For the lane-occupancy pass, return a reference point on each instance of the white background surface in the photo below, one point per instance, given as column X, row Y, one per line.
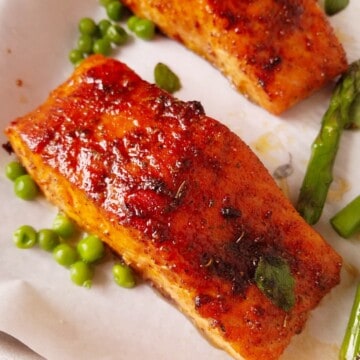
column 38, row 303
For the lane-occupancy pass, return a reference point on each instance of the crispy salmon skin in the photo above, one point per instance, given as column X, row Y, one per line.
column 276, row 52
column 183, row 200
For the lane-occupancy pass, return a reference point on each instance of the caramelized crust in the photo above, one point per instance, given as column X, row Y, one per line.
column 276, row 52
column 180, row 197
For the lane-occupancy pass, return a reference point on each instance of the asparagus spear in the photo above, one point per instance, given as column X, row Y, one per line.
column 354, row 113
column 347, row 221
column 318, row 175
column 350, row 347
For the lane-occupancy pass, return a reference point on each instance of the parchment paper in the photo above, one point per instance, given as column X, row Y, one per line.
column 40, row 306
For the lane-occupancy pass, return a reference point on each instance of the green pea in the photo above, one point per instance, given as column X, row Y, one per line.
column 78, row 63
column 87, row 26
column 85, row 43
column 114, row 10
column 90, row 248
column 116, row 34
column 144, row 29
column 123, row 275
column 25, row 237
column 102, row 46
column 103, row 25
column 131, row 22
column 81, row 274
column 14, row 169
column 64, row 254
column 64, row 226
column 106, row 2
column 25, row 187
column 47, row 239
column 166, row 79
column 75, row 56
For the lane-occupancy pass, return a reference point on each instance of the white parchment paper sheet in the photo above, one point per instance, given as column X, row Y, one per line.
column 38, row 303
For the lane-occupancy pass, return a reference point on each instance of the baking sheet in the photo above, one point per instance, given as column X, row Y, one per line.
column 39, row 305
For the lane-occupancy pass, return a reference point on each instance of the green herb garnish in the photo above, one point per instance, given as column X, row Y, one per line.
column 273, row 278
column 166, row 79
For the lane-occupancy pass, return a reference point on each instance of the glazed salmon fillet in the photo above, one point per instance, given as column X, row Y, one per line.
column 181, row 198
column 276, row 52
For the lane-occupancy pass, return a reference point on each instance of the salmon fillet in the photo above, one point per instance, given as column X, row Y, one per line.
column 276, row 52
column 181, row 198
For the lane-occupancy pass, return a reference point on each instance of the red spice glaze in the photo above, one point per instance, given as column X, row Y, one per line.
column 149, row 176
column 268, row 23
column 190, row 186
column 276, row 52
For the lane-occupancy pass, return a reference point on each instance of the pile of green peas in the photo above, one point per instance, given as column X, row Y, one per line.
column 79, row 258
column 142, row 28
column 101, row 37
